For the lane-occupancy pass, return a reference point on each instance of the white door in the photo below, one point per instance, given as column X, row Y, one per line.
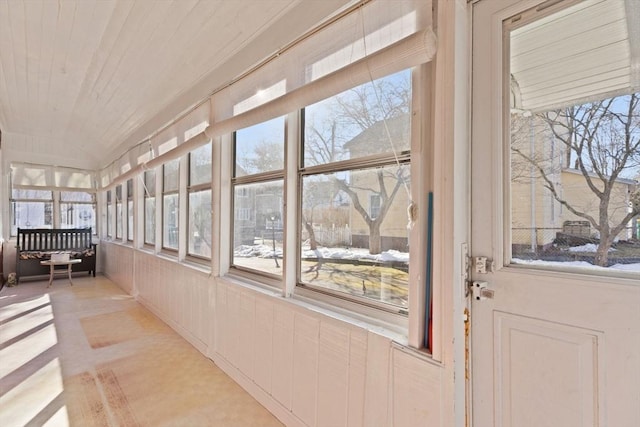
column 559, row 343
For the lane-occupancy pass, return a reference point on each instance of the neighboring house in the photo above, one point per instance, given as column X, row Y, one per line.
column 536, row 216
column 253, row 209
column 374, row 140
column 576, row 192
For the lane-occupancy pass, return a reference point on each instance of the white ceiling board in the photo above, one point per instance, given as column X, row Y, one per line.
column 291, row 25
column 90, row 78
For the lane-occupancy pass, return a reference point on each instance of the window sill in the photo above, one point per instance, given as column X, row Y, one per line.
column 200, row 267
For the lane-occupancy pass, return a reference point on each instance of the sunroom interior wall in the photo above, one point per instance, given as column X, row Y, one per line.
column 307, row 367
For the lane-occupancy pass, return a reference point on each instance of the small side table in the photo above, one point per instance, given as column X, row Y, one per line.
column 52, row 268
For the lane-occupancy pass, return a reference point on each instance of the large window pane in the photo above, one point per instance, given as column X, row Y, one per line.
column 200, row 165
column 200, row 223
column 260, row 148
column 130, row 210
column 31, row 215
column 257, row 226
column 130, row 220
column 20, row 194
column 77, row 215
column 371, row 119
column 354, row 233
column 77, row 210
column 170, row 205
column 150, row 220
column 31, row 209
column 150, row 207
column 170, row 222
column 119, row 212
column 109, row 214
column 575, row 150
column 76, row 196
column 170, row 176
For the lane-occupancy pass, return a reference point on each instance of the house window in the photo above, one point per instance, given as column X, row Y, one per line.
column 356, row 151
column 150, row 207
column 130, row 210
column 77, row 210
column 31, row 209
column 170, row 207
column 199, row 190
column 243, row 214
column 119, row 212
column 257, row 186
column 374, row 205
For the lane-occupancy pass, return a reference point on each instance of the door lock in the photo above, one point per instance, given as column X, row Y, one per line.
column 480, row 291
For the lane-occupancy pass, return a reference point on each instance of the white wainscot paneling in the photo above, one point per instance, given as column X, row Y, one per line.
column 117, row 264
column 305, row 367
column 311, row 369
column 263, row 360
column 178, row 294
column 417, row 395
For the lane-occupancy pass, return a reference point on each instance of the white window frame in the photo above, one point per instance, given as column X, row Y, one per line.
column 248, row 179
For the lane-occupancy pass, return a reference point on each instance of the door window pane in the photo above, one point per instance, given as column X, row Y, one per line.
column 575, row 142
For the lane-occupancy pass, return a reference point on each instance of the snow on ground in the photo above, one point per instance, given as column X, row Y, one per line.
column 266, row 251
column 581, row 264
column 589, row 247
column 360, row 254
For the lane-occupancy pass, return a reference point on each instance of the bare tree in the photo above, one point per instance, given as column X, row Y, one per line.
column 375, row 115
column 601, row 140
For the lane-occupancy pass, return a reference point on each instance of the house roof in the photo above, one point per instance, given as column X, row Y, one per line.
column 375, row 139
column 626, row 181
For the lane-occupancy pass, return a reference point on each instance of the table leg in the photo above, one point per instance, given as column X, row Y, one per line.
column 69, row 272
column 51, row 268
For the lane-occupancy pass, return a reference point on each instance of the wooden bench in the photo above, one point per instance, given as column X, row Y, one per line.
column 38, row 244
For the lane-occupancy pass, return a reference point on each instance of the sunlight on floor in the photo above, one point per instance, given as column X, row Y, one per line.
column 89, row 354
column 30, row 374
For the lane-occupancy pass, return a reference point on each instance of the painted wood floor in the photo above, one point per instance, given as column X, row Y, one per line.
column 90, row 355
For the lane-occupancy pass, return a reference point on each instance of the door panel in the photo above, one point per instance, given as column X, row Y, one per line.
column 558, row 344
column 548, row 368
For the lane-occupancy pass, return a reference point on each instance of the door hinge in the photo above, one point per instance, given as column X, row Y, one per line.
column 482, row 265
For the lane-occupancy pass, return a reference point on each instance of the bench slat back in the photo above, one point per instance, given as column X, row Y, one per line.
column 45, row 239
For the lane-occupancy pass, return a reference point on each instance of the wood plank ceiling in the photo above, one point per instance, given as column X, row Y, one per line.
column 81, row 80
